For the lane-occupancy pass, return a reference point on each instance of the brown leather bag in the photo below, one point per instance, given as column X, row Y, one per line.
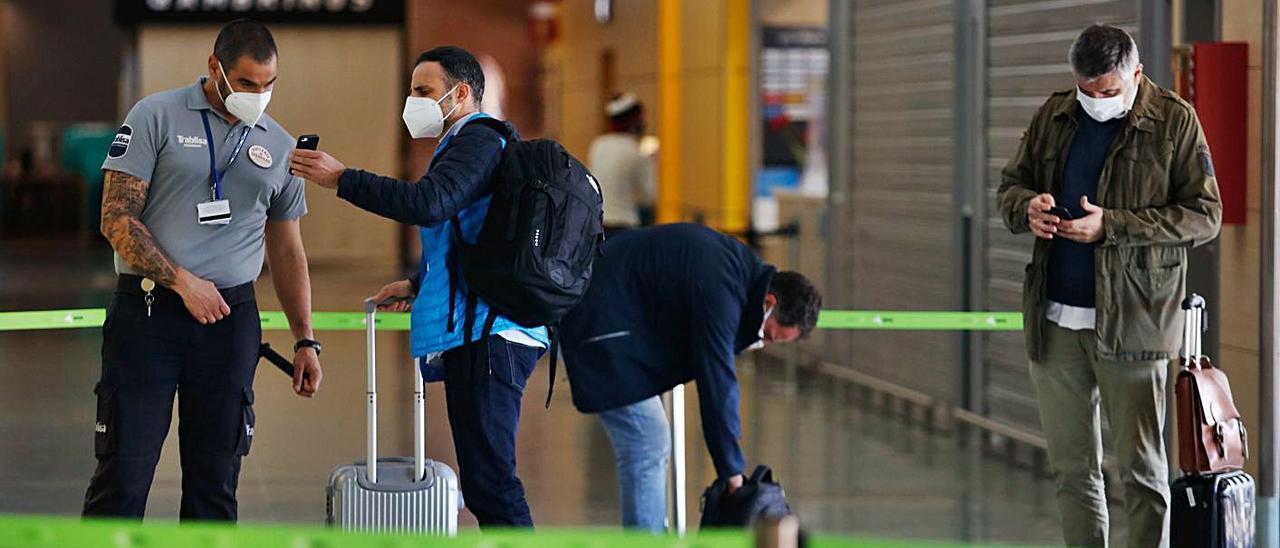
column 1211, row 435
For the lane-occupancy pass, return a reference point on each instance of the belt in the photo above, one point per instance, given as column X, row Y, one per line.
column 130, row 284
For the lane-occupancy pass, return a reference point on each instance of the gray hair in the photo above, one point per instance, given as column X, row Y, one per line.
column 1101, row 50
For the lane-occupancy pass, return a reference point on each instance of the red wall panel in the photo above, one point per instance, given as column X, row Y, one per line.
column 1217, row 85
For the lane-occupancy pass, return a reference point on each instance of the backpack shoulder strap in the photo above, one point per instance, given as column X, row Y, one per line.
column 497, row 125
column 453, row 263
column 553, row 338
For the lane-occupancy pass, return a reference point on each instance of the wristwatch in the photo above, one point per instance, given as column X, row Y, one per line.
column 307, row 343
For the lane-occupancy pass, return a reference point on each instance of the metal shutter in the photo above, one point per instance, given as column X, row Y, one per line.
column 893, row 250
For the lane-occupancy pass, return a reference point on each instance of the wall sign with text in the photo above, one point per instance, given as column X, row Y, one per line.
column 384, row 12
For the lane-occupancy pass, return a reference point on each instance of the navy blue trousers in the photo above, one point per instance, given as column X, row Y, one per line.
column 483, row 386
column 146, row 360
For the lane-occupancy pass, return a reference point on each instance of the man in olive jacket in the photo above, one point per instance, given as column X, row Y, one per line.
column 1115, row 180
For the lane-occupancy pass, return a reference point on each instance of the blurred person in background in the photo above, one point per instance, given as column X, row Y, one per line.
column 627, row 176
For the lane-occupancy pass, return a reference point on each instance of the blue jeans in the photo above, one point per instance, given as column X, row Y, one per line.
column 641, row 442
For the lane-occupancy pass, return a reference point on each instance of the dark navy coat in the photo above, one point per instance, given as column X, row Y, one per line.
column 668, row 305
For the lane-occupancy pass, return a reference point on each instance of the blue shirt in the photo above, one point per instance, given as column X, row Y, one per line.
column 1071, row 278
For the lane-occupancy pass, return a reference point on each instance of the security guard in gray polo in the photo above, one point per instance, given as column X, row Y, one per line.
column 197, row 191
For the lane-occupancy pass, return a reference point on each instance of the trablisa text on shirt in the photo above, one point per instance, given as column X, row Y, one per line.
column 193, row 142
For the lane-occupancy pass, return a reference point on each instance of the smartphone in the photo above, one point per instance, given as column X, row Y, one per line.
column 1061, row 213
column 308, row 142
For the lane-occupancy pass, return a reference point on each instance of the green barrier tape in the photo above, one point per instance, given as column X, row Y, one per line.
column 42, row 532
column 82, row 318
column 334, row 321
column 52, row 319
column 919, row 321
column 49, row 532
column 399, row 321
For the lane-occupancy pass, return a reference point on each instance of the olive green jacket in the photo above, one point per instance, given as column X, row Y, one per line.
column 1159, row 198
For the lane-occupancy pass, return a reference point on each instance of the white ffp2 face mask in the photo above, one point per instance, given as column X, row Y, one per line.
column 248, row 107
column 423, row 117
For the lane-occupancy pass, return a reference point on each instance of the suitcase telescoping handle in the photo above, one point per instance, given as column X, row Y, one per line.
column 678, row 480
column 419, row 401
column 1193, row 330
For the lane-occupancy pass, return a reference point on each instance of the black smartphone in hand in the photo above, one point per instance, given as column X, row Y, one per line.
column 308, row 142
column 1061, row 212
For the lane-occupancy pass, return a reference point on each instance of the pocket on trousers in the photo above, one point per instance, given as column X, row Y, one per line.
column 509, row 364
column 104, row 427
column 246, row 424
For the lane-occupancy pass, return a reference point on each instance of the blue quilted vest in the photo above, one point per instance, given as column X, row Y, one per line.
column 429, row 324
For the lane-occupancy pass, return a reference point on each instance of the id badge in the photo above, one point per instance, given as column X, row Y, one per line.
column 216, row 212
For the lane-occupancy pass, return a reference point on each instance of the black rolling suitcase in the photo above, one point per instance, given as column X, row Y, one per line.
column 1212, row 511
column 1209, row 509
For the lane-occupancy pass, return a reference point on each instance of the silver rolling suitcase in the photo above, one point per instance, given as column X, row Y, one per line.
column 399, row 494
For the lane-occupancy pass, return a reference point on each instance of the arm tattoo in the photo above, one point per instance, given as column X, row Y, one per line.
column 123, row 198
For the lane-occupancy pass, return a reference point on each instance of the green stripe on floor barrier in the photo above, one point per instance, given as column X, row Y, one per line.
column 920, row 321
column 52, row 319
column 337, row 321
column 44, row 532
column 49, row 532
column 399, row 321
column 82, row 318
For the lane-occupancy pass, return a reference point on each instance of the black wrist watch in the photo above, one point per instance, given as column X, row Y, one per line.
column 307, row 343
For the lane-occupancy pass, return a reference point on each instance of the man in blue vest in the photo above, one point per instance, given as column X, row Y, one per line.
column 483, row 384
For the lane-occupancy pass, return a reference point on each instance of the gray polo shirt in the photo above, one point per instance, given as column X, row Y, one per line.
column 163, row 141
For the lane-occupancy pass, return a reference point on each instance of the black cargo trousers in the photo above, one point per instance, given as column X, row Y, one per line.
column 147, row 357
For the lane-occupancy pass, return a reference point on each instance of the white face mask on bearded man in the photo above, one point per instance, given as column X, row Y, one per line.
column 1103, row 109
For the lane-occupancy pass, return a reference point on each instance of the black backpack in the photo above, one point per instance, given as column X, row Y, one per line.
column 758, row 498
column 545, row 227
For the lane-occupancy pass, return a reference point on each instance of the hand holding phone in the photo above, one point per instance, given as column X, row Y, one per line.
column 307, row 142
column 1061, row 212
column 1038, row 216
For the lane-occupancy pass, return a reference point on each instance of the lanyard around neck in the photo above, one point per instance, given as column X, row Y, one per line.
column 235, row 153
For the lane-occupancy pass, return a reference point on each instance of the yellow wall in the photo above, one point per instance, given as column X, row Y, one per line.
column 711, row 180
column 575, row 60
column 346, row 85
column 1240, row 245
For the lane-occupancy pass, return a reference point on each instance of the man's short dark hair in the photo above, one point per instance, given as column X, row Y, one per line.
column 1101, row 50
column 244, row 37
column 459, row 66
column 798, row 301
